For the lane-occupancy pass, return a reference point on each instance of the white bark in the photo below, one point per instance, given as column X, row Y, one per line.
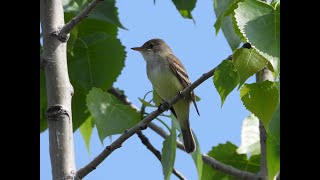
column 59, row 91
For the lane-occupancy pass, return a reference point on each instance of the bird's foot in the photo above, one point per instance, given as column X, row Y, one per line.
column 164, row 106
column 181, row 95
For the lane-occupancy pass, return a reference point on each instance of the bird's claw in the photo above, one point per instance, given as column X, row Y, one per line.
column 165, row 105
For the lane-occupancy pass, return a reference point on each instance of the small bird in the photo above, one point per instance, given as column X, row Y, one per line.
column 168, row 77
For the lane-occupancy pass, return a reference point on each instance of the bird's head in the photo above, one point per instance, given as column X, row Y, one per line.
column 153, row 47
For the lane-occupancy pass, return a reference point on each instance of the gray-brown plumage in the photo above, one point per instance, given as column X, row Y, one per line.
column 168, row 77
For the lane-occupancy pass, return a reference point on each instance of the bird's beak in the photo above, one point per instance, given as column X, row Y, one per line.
column 137, row 48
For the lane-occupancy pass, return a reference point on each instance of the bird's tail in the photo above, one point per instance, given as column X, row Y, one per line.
column 188, row 140
column 181, row 110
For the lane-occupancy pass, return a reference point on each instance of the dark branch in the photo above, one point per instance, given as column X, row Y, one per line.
column 63, row 35
column 157, row 153
column 118, row 142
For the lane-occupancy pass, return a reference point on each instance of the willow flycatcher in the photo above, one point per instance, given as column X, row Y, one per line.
column 168, row 78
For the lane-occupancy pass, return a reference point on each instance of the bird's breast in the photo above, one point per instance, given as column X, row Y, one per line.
column 163, row 80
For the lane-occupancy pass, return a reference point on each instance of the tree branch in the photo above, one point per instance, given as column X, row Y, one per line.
column 141, row 125
column 64, row 33
column 157, row 153
column 59, row 91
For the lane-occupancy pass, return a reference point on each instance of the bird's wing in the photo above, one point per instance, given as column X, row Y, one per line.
column 180, row 72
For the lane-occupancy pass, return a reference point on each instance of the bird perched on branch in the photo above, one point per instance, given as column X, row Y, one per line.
column 168, row 77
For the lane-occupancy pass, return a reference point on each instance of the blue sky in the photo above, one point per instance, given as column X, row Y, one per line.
column 200, row 50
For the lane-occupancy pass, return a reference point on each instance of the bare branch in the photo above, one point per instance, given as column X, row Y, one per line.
column 127, row 134
column 59, row 91
column 64, row 33
column 157, row 153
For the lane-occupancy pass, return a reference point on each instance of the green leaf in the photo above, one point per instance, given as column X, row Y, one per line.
column 261, row 99
column 95, row 55
column 82, row 3
column 107, row 11
column 250, row 136
column 146, row 103
column 197, row 98
column 95, row 59
column 230, row 34
column 237, row 30
column 225, row 79
column 185, row 7
column 197, row 157
column 220, row 7
column 273, row 145
column 43, row 102
column 175, row 122
column 277, row 83
column 72, row 40
column 156, row 98
column 247, row 62
column 169, row 153
column 70, row 6
column 224, row 21
column 226, row 153
column 259, row 23
column 275, row 3
column 231, row 8
column 80, row 111
column 110, row 115
column 86, row 131
column 273, row 65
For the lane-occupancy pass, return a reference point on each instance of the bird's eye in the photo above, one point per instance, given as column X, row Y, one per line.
column 151, row 45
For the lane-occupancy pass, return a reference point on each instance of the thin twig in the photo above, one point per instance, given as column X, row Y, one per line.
column 157, row 153
column 127, row 134
column 66, row 29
